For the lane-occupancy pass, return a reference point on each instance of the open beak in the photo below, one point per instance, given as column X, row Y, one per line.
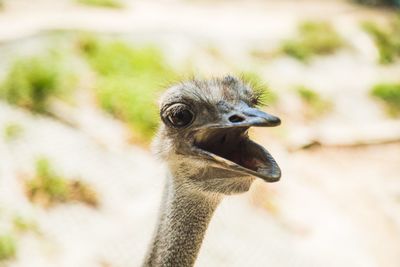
column 227, row 144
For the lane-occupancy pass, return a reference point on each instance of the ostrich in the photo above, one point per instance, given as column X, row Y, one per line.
column 208, row 154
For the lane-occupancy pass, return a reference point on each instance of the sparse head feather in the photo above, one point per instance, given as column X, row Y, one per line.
column 259, row 89
column 213, row 91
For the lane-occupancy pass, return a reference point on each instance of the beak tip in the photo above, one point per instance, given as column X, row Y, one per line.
column 272, row 179
column 275, row 121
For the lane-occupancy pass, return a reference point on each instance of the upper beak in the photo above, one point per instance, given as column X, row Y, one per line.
column 256, row 117
column 245, row 117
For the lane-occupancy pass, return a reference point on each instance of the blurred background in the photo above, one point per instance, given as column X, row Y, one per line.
column 79, row 82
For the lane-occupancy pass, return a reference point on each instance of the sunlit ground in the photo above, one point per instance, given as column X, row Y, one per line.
column 78, row 87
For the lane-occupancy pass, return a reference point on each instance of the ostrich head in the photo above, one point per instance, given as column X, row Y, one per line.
column 204, row 137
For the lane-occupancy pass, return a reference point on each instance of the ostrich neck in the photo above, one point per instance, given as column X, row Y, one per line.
column 184, row 217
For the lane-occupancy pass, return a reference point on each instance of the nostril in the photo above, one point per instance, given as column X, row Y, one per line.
column 236, row 118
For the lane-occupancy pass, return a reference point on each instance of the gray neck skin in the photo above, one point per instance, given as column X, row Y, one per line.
column 184, row 216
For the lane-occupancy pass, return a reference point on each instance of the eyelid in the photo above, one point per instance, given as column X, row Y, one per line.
column 175, row 109
column 165, row 108
column 166, row 111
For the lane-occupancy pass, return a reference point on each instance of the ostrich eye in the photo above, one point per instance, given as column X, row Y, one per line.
column 179, row 115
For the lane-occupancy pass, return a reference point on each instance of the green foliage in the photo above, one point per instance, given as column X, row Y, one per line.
column 129, row 80
column 387, row 40
column 130, row 99
column 47, row 183
column 48, row 188
column 379, row 2
column 269, row 97
column 8, row 247
column 314, row 38
column 32, row 81
column 12, row 131
column 316, row 105
column 389, row 94
column 119, row 58
column 102, row 3
column 22, row 224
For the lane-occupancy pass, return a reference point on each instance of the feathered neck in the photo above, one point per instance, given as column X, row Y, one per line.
column 184, row 216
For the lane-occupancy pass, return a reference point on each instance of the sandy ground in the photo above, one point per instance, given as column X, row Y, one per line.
column 334, row 206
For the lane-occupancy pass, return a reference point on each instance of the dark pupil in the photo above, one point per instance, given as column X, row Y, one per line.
column 181, row 118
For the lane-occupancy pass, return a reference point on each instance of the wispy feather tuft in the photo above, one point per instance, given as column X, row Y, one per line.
column 259, row 93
